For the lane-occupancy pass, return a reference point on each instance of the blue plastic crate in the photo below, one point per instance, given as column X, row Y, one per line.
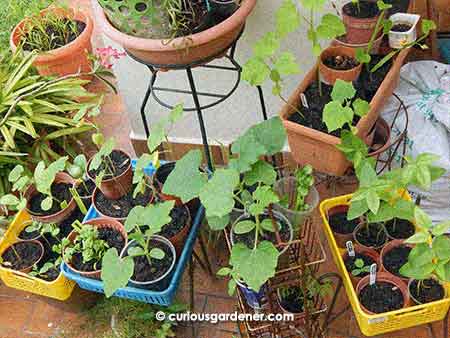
column 164, row 297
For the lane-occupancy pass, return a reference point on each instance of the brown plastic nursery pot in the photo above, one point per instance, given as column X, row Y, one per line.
column 65, row 60
column 98, row 223
column 159, row 179
column 309, row 146
column 60, row 215
column 196, row 48
column 341, row 239
column 330, row 75
column 388, row 247
column 116, row 187
column 29, row 268
column 342, row 41
column 388, row 278
column 179, row 239
column 377, row 248
column 359, row 30
column 363, row 251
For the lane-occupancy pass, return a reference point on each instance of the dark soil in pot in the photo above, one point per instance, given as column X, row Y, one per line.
column 120, row 162
column 121, row 207
column 366, row 9
column 428, row 292
column 25, row 235
column 381, row 297
column 163, row 172
column 341, row 62
column 339, row 223
column 112, row 237
column 144, row 272
column 65, row 227
column 60, row 192
column 249, row 238
column 350, row 263
column 86, row 189
column 370, row 82
column 28, row 254
column 57, row 40
column 395, row 258
column 372, row 235
column 50, row 275
column 401, row 27
column 179, row 217
column 399, row 228
column 292, row 299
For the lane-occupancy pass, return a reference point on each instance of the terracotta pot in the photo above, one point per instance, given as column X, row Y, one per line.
column 159, row 178
column 416, row 301
column 98, row 223
column 116, row 187
column 342, row 41
column 388, row 247
column 358, row 30
column 58, row 216
column 309, row 146
column 388, row 278
column 28, row 269
column 366, row 252
column 65, row 60
column 378, row 248
column 330, row 75
column 196, row 48
column 382, row 137
column 340, row 239
column 179, row 238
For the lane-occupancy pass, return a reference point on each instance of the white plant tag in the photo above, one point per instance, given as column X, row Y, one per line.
column 350, row 249
column 304, row 100
column 373, row 274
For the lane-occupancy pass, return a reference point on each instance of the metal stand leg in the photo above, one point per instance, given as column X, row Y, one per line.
column 200, row 118
column 145, row 101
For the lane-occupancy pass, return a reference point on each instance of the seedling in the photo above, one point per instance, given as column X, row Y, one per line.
column 305, row 180
column 20, row 180
column 343, row 107
column 360, row 267
column 102, row 161
column 356, row 3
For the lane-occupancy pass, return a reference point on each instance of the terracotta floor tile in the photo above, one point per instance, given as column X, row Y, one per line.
column 15, row 313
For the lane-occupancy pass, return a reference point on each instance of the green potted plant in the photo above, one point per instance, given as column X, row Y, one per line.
column 172, row 32
column 358, row 263
column 21, row 256
column 62, row 36
column 360, row 18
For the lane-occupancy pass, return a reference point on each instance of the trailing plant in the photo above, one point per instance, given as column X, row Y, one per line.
column 268, row 62
column 360, row 267
column 430, row 257
column 87, row 243
column 141, row 224
column 305, row 180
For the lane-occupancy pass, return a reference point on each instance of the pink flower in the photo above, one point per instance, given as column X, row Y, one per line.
column 106, row 53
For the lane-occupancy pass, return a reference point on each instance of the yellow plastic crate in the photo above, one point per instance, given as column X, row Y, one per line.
column 60, row 289
column 372, row 325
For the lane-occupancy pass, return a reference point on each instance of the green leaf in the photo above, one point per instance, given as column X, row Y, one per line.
column 361, row 107
column 428, row 26
column 335, row 116
column 439, row 229
column 264, row 196
column 383, row 6
column 267, row 45
column 357, row 208
column 441, row 246
column 373, row 201
column 330, row 27
column 218, row 223
column 421, row 255
column 342, row 91
column 261, row 172
column 287, row 18
column 313, row 4
column 223, row 272
column 157, row 136
column 231, row 287
column 244, row 227
column 176, row 113
column 267, row 225
column 157, row 253
column 366, row 174
column 186, row 171
column 15, row 174
column 419, row 237
column 155, row 216
column 286, row 64
column 47, row 203
column 255, row 71
column 421, row 218
column 271, row 135
column 362, row 56
column 217, row 195
column 419, row 273
column 116, row 272
column 9, row 200
column 255, row 267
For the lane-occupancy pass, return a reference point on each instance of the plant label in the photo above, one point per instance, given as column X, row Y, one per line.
column 373, row 274
column 350, row 249
column 304, row 100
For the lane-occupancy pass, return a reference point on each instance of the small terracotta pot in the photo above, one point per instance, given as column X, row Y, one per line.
column 358, row 30
column 366, row 252
column 416, row 301
column 69, row 59
column 122, row 219
column 60, row 215
column 116, row 187
column 330, row 75
column 179, row 238
column 378, row 248
column 382, row 137
column 340, row 239
column 196, row 48
column 28, row 269
column 159, row 178
column 342, row 41
column 388, row 278
column 98, row 223
column 388, row 247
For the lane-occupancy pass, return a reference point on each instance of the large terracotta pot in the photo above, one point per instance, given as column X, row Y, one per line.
column 58, row 216
column 98, row 223
column 358, row 30
column 309, row 146
column 65, row 60
column 196, row 48
column 330, row 75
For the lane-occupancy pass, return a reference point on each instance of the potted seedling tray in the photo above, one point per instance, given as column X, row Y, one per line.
column 371, row 325
column 164, row 297
column 317, row 148
column 61, row 288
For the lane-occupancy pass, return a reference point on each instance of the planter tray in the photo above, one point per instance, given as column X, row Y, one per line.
column 164, row 297
column 61, row 288
column 371, row 325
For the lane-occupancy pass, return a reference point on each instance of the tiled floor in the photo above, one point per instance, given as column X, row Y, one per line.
column 24, row 315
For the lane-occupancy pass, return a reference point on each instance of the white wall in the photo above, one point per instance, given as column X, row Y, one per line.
column 227, row 120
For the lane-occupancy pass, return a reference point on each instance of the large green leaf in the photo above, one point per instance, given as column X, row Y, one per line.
column 261, row 172
column 116, row 272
